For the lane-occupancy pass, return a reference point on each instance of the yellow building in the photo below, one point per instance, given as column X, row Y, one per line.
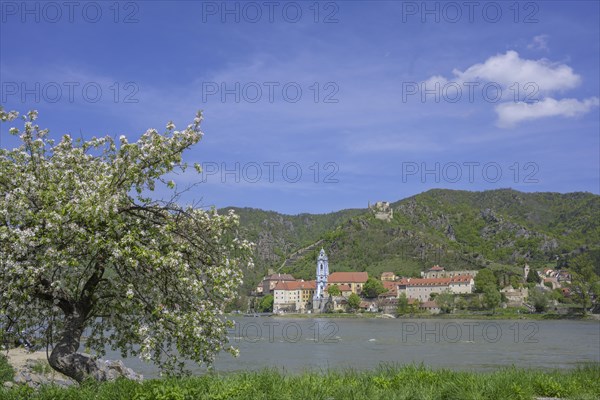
column 355, row 280
column 388, row 277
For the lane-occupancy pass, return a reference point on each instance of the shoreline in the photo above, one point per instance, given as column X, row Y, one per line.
column 534, row 317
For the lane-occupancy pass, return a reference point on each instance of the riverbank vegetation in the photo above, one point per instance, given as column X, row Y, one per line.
column 385, row 382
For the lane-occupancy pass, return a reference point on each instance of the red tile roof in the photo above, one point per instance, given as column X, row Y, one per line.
column 295, row 285
column 280, row 277
column 429, row 282
column 308, row 285
column 436, row 268
column 392, row 288
column 389, row 285
column 435, row 281
column 343, row 288
column 461, row 278
column 348, row 277
column 429, row 304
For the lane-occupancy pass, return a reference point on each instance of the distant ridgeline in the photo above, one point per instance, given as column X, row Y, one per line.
column 457, row 229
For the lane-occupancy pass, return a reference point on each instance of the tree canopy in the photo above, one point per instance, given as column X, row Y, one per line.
column 533, row 277
column 84, row 245
column 491, row 297
column 403, row 306
column 266, row 304
column 483, row 279
column 353, row 301
column 373, row 287
column 334, row 290
column 585, row 283
column 445, row 301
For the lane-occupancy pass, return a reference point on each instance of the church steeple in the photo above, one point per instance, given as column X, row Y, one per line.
column 322, row 275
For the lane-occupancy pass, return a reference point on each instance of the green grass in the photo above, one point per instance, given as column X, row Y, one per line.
column 6, row 370
column 385, row 382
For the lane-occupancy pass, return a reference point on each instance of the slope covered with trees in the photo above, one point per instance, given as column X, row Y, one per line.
column 457, row 229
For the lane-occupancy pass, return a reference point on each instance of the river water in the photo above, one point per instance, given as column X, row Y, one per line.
column 321, row 343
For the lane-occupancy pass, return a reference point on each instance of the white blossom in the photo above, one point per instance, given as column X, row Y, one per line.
column 67, row 214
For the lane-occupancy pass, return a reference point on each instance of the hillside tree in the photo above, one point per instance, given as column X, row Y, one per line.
column 585, row 283
column 403, row 306
column 483, row 279
column 266, row 304
column 533, row 277
column 84, row 246
column 334, row 290
column 539, row 299
column 491, row 298
column 353, row 302
column 445, row 301
column 373, row 288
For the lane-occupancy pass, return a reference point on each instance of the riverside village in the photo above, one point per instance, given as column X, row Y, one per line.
column 436, row 291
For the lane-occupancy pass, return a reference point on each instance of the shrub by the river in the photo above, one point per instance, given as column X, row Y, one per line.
column 6, row 371
column 386, row 382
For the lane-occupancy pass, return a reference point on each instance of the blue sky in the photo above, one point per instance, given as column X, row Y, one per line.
column 384, row 99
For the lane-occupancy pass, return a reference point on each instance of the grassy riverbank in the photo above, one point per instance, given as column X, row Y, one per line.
column 386, row 382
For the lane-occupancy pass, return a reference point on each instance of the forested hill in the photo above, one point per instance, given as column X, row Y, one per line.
column 457, row 229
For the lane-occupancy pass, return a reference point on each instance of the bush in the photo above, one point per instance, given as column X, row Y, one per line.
column 6, row 370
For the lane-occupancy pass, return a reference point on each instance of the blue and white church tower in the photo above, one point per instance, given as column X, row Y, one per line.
column 322, row 275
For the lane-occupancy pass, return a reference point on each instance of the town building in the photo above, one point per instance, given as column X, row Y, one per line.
column 434, row 272
column 270, row 281
column 392, row 290
column 557, row 276
column 430, row 306
column 515, row 297
column 388, row 277
column 552, row 282
column 440, row 272
column 345, row 290
column 355, row 280
column 293, row 296
column 322, row 275
column 422, row 288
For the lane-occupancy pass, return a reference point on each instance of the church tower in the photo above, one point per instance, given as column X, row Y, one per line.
column 322, row 275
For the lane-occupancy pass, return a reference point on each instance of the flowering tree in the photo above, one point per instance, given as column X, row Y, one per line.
column 84, row 248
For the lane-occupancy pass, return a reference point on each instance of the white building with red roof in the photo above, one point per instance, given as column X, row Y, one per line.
column 293, row 296
column 270, row 281
column 422, row 288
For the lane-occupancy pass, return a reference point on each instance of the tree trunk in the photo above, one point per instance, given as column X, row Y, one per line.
column 64, row 357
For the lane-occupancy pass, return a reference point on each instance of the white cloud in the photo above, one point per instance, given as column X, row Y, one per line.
column 436, row 79
column 509, row 114
column 540, row 42
column 506, row 69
